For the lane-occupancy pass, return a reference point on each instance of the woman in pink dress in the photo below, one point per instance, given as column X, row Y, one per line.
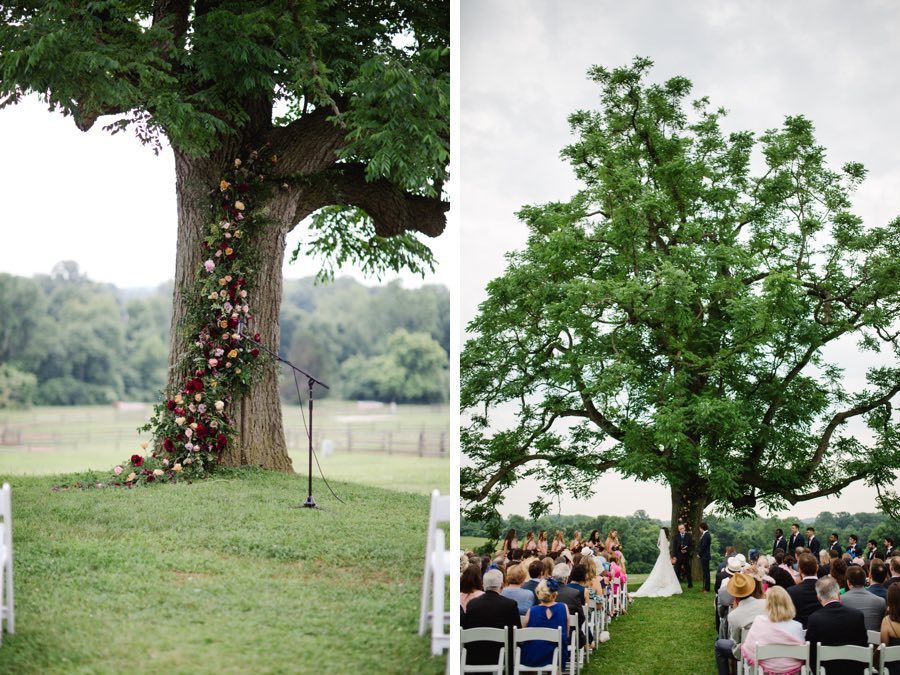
column 575, row 545
column 558, row 542
column 542, row 543
column 530, row 543
column 511, row 542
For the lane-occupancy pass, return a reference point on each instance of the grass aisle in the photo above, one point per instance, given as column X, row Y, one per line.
column 661, row 635
column 222, row 576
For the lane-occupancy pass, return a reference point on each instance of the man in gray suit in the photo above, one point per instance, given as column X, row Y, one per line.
column 568, row 595
column 859, row 598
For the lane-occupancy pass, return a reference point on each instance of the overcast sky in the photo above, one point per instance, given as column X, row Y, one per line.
column 108, row 203
column 523, row 72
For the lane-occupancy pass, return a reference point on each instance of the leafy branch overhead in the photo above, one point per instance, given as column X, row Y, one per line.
column 675, row 320
column 352, row 98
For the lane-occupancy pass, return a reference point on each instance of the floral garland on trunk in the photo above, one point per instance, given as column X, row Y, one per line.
column 192, row 426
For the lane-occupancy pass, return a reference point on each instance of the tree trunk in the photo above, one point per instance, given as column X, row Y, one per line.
column 260, row 441
column 688, row 502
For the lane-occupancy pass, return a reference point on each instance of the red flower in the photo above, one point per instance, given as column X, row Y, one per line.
column 256, row 337
column 179, row 411
column 233, row 322
column 240, row 281
column 150, row 478
column 137, row 460
column 242, row 187
column 254, row 352
column 201, row 430
column 195, row 385
column 168, row 445
column 170, row 404
column 221, row 441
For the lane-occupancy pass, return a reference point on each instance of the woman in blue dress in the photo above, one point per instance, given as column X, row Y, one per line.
column 548, row 614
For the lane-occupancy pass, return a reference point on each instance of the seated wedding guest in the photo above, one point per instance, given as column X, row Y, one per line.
column 791, row 566
column 569, row 596
column 524, row 597
column 780, row 576
column 489, row 610
column 594, row 540
column 470, row 585
column 724, row 600
column 775, row 627
column 535, row 573
column 485, row 563
column 839, row 572
column 803, row 594
column 893, row 564
column 593, row 580
column 578, row 581
column 511, row 542
column 721, row 571
column 890, row 625
column 530, row 544
column 877, row 575
column 576, row 543
column 548, row 562
column 824, row 563
column 859, row 598
column 833, row 625
column 559, row 543
column 548, row 613
column 747, row 605
column 542, row 543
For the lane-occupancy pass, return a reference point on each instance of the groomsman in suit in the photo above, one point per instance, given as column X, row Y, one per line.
column 812, row 542
column 780, row 542
column 704, row 553
column 872, row 551
column 795, row 540
column 835, row 544
column 681, row 551
column 888, row 548
column 853, row 547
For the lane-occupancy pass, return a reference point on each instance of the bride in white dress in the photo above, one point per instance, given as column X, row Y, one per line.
column 662, row 581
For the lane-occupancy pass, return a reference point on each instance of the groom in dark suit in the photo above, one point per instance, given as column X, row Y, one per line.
column 704, row 553
column 682, row 544
column 795, row 540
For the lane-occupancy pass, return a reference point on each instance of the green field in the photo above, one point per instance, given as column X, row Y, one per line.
column 51, row 440
column 221, row 576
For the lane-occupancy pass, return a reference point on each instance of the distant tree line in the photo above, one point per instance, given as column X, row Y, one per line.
column 638, row 532
column 67, row 340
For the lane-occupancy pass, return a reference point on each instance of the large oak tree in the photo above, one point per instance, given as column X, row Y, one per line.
column 352, row 98
column 671, row 321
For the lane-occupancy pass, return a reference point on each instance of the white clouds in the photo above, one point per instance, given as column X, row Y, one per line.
column 523, row 72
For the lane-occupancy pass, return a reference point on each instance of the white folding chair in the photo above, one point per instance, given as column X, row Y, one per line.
column 846, row 653
column 554, row 635
column 574, row 645
column 874, row 637
column 800, row 652
column 888, row 655
column 438, row 566
column 468, row 635
column 7, row 602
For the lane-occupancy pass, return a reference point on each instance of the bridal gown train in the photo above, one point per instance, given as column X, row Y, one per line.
column 662, row 581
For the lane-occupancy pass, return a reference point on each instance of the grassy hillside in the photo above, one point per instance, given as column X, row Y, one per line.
column 221, row 576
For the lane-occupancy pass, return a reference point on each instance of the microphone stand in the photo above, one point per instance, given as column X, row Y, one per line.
column 310, row 503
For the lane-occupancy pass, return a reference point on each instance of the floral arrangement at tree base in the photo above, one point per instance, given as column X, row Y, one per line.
column 191, row 427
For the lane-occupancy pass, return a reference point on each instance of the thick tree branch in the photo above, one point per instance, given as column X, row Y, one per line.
column 307, row 145
column 392, row 210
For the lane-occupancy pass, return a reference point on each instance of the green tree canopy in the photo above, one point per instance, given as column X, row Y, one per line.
column 670, row 321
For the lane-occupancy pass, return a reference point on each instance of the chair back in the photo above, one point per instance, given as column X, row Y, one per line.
column 844, row 653
column 469, row 635
column 7, row 600
column 874, row 637
column 553, row 635
column 800, row 652
column 441, row 511
column 888, row 655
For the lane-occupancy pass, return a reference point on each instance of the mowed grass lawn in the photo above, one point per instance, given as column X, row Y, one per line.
column 221, row 576
column 660, row 635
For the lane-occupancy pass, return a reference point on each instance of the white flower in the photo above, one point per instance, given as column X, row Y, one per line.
column 220, row 405
column 243, row 294
column 144, row 445
column 180, row 421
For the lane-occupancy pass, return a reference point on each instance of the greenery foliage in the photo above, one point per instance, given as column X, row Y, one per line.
column 671, row 321
column 322, row 326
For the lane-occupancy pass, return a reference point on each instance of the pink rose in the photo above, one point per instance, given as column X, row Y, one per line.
column 209, row 265
column 118, row 470
column 213, row 363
